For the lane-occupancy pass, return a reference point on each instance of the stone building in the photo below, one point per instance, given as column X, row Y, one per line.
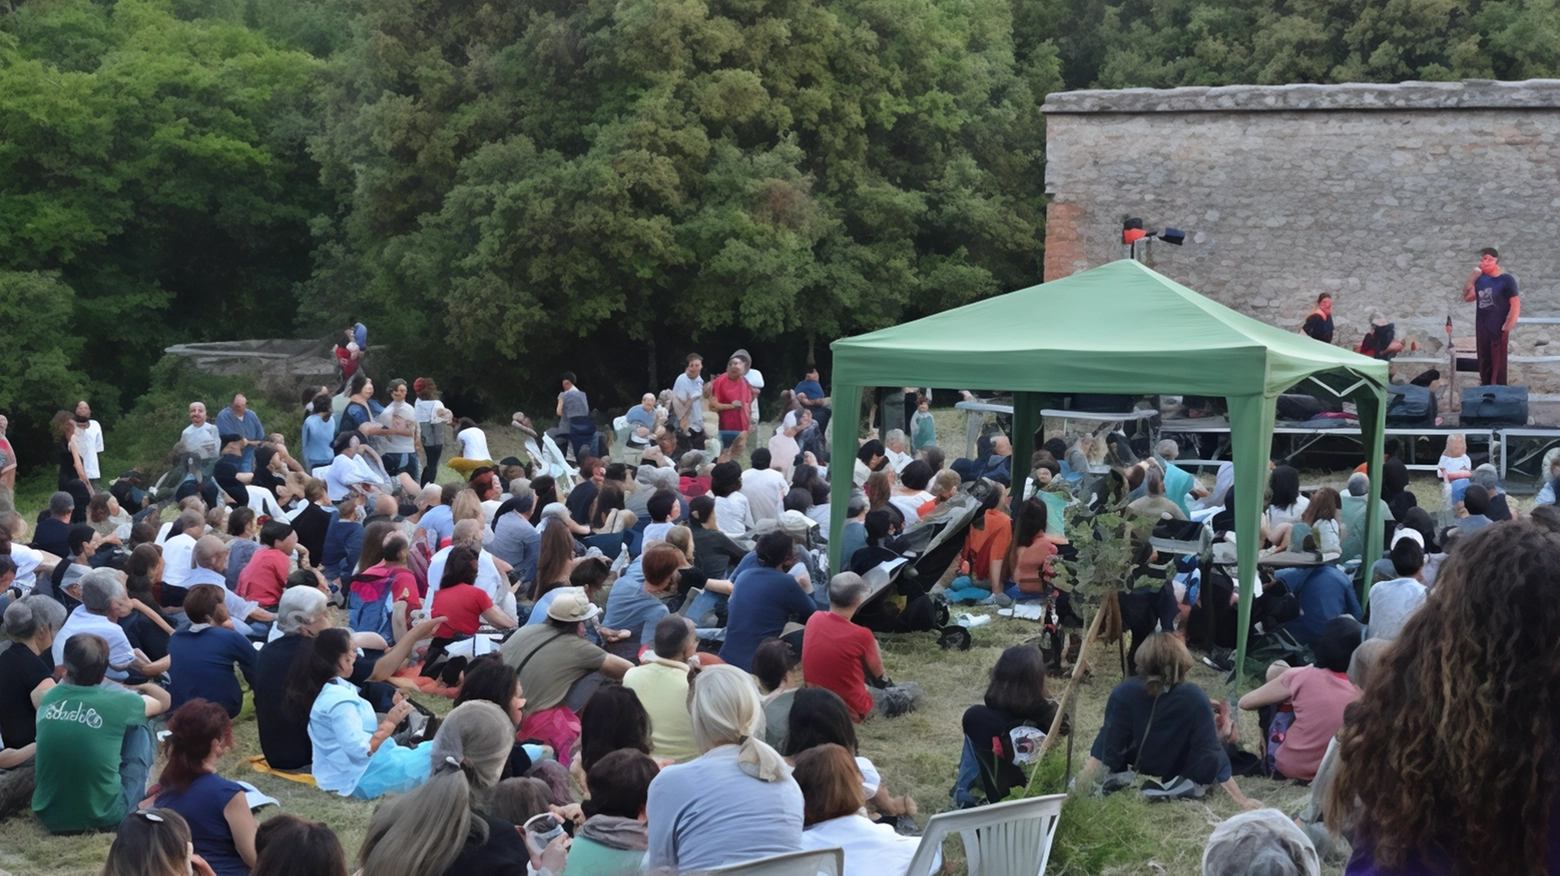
column 1379, row 194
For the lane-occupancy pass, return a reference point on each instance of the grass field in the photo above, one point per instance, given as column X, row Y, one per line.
column 916, row 754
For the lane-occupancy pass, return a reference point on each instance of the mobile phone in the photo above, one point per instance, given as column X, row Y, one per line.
column 540, row 830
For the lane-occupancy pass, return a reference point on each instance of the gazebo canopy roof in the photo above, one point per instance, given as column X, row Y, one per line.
column 1118, row 328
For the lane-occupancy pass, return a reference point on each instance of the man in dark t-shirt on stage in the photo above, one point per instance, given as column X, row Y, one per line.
column 1497, row 313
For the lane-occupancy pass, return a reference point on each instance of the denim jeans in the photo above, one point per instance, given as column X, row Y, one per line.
column 135, row 763
column 969, row 773
column 396, row 463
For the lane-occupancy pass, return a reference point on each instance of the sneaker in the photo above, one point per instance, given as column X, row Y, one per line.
column 1177, row 788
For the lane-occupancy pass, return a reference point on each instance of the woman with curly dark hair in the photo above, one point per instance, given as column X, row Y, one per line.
column 1450, row 754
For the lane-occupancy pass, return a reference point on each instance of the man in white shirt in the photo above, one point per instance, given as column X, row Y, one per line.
column 179, row 550
column 764, row 487
column 895, row 450
column 103, row 603
column 688, row 396
column 89, row 443
column 201, row 437
column 1393, row 602
column 490, row 578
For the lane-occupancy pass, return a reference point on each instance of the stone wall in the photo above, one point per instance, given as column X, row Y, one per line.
column 1379, row 194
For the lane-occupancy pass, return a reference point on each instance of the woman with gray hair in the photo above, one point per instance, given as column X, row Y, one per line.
column 439, row 827
column 736, row 801
column 1263, row 842
column 29, row 626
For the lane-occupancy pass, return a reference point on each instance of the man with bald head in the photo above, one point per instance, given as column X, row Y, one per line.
column 491, row 572
column 238, row 419
column 210, row 556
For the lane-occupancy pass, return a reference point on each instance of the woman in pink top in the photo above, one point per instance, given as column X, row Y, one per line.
column 1317, row 695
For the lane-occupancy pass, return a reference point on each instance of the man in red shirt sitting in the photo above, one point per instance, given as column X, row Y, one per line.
column 840, row 656
column 731, row 397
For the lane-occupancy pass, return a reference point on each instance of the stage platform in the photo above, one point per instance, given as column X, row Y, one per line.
column 1517, row 448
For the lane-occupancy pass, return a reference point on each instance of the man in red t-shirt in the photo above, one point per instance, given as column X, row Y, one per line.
column 731, row 397
column 838, row 655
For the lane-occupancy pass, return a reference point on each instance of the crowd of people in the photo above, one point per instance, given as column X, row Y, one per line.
column 654, row 667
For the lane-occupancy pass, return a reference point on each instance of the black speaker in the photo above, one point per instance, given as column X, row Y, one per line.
column 1174, row 236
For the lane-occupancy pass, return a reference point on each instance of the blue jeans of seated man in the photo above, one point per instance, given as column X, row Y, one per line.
column 969, row 773
column 135, row 763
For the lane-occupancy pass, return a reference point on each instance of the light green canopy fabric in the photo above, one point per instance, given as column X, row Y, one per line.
column 1120, row 329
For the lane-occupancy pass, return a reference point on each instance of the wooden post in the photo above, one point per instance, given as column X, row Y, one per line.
column 1072, row 683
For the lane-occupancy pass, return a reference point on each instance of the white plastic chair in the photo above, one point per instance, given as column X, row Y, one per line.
column 622, row 431
column 1003, row 839
column 820, row 862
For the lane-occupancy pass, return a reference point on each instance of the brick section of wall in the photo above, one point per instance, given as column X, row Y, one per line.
column 1381, row 195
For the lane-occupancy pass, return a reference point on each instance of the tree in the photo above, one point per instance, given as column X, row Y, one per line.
column 36, row 373
column 537, row 180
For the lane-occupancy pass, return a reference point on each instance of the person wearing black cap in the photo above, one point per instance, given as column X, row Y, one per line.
column 228, row 473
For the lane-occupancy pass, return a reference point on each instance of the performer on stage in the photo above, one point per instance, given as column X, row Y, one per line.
column 1498, row 310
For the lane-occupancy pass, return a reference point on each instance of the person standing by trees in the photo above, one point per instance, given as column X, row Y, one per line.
column 238, row 419
column 1497, row 313
column 432, row 417
column 7, row 469
column 89, row 443
column 72, row 475
column 688, row 403
column 731, row 397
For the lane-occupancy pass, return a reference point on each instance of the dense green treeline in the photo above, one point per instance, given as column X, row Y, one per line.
column 501, row 190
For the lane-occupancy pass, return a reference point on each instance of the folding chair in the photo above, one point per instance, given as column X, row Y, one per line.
column 1003, row 839
column 623, row 430
column 822, row 862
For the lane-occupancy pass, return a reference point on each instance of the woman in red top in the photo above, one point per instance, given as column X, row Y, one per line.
column 465, row 606
column 264, row 579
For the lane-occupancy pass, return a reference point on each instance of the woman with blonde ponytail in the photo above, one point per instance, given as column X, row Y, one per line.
column 736, row 801
column 438, row 828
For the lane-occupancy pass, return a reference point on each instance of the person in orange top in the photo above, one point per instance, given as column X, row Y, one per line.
column 986, row 546
column 265, row 577
column 1029, row 555
column 731, row 397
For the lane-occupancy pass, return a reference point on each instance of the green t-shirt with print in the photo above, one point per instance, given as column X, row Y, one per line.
column 81, row 731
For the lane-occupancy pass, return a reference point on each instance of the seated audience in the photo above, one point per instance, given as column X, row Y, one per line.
column 714, row 551
column 207, row 651
column 733, row 514
column 286, row 845
column 1264, row 842
column 613, row 839
column 1415, row 752
column 440, row 827
column 840, row 656
column 91, row 773
column 779, row 672
column 354, row 754
column 1180, row 742
column 1015, row 697
column 1324, row 592
column 559, row 669
column 265, row 577
column 153, row 842
column 612, row 719
column 211, row 559
column 587, row 573
column 1285, row 508
column 1316, row 696
column 384, row 594
column 491, row 577
column 143, row 578
column 241, row 529
column 1154, row 504
column 103, row 603
column 832, row 815
column 986, row 545
column 343, row 541
column 736, row 801
column 763, row 600
column 303, row 614
column 1471, row 516
column 1355, row 504
column 27, row 666
column 1394, row 601
column 488, row 679
column 1335, row 849
column 459, row 599
column 819, row 717
column 636, row 602
column 1030, row 552
column 515, row 540
column 178, row 553
column 661, row 682
column 222, row 827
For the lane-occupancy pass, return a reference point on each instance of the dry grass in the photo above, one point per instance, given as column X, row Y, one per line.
column 917, row 754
